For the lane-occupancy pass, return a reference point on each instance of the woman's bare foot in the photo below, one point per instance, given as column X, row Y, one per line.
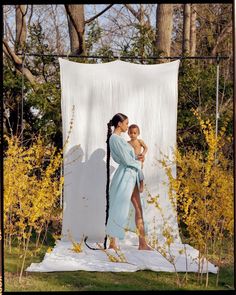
column 113, row 244
column 114, row 248
column 146, row 247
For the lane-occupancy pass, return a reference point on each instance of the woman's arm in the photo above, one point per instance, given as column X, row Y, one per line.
column 121, row 149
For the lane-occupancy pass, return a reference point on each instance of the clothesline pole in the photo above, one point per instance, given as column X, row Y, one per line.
column 217, row 95
column 217, row 98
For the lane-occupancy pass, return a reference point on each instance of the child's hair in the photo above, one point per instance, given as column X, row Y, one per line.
column 119, row 117
column 132, row 127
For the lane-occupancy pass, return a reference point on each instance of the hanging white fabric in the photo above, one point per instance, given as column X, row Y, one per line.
column 90, row 95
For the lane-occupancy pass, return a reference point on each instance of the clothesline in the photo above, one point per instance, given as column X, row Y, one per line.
column 218, row 58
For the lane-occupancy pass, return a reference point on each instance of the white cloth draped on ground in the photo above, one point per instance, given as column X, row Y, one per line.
column 91, row 95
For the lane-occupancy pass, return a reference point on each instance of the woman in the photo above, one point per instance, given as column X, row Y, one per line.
column 124, row 185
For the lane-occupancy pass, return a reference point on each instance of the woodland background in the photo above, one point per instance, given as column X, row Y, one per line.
column 32, row 107
column 107, row 30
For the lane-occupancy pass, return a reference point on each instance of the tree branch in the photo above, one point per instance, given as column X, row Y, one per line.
column 226, row 30
column 139, row 15
column 5, row 51
column 97, row 15
column 135, row 13
column 18, row 63
column 11, row 53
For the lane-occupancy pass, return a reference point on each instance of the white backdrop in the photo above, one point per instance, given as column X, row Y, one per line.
column 91, row 95
column 147, row 94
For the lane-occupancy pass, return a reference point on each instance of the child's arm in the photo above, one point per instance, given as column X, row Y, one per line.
column 145, row 148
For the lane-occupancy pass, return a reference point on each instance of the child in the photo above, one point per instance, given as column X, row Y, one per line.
column 137, row 144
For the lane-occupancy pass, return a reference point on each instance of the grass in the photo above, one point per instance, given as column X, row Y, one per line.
column 98, row 281
column 101, row 281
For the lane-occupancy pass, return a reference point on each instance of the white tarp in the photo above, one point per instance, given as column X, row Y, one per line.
column 91, row 95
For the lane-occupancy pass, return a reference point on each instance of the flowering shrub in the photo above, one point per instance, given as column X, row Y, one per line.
column 32, row 187
column 203, row 190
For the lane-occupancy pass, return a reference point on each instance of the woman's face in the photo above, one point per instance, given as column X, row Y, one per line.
column 124, row 125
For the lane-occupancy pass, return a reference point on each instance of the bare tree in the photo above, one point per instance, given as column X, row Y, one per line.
column 164, row 24
column 140, row 14
column 76, row 23
column 21, row 30
column 18, row 63
column 56, row 26
column 75, row 14
column 186, row 29
column 193, row 30
column 120, row 26
column 221, row 37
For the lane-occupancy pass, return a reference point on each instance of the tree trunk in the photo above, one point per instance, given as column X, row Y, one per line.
column 58, row 35
column 142, row 47
column 193, row 30
column 25, row 252
column 164, row 23
column 21, row 31
column 186, row 29
column 76, row 23
column 223, row 34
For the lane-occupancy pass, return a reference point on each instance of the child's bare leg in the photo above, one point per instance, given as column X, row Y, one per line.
column 141, row 186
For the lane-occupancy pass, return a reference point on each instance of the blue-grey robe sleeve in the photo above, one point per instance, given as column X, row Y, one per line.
column 121, row 149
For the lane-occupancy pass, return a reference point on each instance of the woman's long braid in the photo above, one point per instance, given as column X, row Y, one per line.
column 109, row 133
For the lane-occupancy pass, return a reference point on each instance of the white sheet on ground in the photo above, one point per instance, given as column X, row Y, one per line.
column 62, row 258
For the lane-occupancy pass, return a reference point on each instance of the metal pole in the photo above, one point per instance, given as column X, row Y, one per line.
column 217, row 97
column 217, row 94
column 22, row 99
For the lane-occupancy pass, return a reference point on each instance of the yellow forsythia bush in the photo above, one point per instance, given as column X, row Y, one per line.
column 32, row 187
column 203, row 189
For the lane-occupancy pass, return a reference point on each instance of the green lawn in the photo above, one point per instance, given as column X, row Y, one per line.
column 99, row 281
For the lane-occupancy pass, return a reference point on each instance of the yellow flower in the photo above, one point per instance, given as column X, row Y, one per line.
column 49, row 250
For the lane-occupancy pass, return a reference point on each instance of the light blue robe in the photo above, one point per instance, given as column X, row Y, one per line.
column 121, row 187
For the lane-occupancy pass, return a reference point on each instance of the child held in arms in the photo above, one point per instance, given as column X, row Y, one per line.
column 140, row 148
